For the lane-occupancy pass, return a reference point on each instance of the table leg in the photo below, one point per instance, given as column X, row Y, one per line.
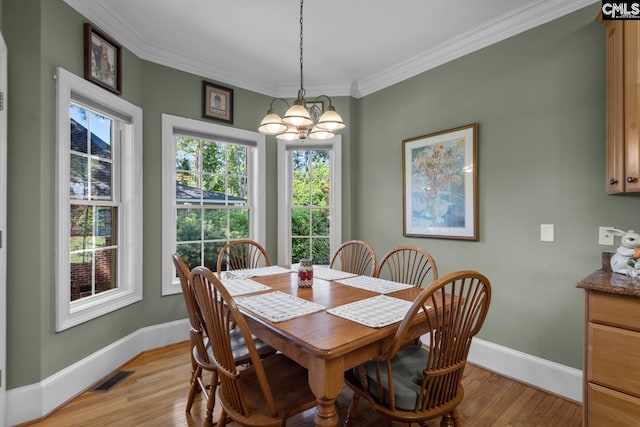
column 326, row 379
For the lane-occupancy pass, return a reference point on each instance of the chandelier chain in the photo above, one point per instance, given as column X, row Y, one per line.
column 301, row 94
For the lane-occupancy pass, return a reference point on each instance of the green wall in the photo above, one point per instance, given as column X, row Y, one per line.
column 539, row 101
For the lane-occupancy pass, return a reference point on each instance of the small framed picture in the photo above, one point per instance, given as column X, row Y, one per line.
column 217, row 102
column 102, row 60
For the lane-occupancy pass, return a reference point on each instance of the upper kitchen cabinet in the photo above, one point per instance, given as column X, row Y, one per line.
column 623, row 112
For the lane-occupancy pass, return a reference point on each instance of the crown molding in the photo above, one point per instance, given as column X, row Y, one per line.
column 523, row 19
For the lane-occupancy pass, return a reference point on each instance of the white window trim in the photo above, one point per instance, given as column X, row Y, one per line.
column 256, row 173
column 285, row 175
column 129, row 291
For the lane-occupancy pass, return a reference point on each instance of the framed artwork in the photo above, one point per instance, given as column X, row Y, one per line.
column 102, row 60
column 440, row 184
column 217, row 102
column 315, row 109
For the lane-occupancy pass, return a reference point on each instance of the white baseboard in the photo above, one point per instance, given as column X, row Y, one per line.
column 37, row 400
column 540, row 373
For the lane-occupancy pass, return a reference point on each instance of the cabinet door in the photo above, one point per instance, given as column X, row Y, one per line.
column 615, row 107
column 631, row 108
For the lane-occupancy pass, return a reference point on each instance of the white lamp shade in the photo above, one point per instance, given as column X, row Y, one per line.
column 320, row 133
column 297, row 116
column 289, row 135
column 331, row 120
column 272, row 125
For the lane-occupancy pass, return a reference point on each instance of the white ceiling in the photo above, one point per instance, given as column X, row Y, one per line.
column 351, row 47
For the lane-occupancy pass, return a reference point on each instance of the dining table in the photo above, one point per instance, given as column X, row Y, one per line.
column 325, row 343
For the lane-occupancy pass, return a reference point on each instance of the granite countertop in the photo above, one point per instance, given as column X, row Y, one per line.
column 604, row 280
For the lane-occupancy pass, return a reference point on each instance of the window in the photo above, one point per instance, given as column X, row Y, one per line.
column 213, row 191
column 99, row 195
column 309, row 215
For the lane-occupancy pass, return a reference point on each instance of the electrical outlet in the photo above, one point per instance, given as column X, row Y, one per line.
column 605, row 236
column 547, row 233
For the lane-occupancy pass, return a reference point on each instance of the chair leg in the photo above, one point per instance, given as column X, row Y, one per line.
column 211, row 398
column 195, row 386
column 352, row 412
column 451, row 419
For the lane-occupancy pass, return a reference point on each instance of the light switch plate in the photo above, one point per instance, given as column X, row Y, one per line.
column 546, row 233
column 605, row 236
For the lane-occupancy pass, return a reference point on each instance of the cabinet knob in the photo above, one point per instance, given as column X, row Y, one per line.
column 630, row 179
column 613, row 181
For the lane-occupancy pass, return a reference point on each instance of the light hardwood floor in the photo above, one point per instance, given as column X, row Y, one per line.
column 155, row 395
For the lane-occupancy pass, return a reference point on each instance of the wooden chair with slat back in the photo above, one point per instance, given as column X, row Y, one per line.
column 354, row 256
column 268, row 391
column 243, row 253
column 408, row 264
column 201, row 354
column 415, row 384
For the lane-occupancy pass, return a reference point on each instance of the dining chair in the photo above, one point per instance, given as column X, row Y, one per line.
column 243, row 253
column 408, row 264
column 354, row 256
column 265, row 393
column 200, row 353
column 415, row 384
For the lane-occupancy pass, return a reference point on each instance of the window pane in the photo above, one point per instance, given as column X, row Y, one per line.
column 211, row 251
column 213, row 157
column 106, row 263
column 301, row 189
column 79, row 126
column 188, row 225
column 300, row 248
column 239, row 224
column 82, row 226
column 299, row 222
column 100, row 180
column 237, row 189
column 106, row 226
column 320, row 222
column 81, row 275
column 215, row 224
column 215, row 185
column 101, row 128
column 321, row 250
column 191, row 253
column 187, row 152
column 237, row 160
column 320, row 192
column 79, row 184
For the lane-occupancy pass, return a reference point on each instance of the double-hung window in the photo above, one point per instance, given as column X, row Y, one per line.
column 309, row 200
column 213, row 191
column 99, row 196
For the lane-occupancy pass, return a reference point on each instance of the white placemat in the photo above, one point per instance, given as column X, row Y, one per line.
column 374, row 284
column 277, row 306
column 326, row 273
column 375, row 312
column 255, row 272
column 243, row 286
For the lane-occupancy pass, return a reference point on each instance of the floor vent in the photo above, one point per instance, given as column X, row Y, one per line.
column 111, row 382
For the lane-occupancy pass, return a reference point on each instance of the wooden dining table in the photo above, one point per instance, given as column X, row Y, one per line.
column 324, row 343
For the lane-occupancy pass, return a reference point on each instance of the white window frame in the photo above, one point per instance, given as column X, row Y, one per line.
column 256, row 174
column 285, row 176
column 129, row 274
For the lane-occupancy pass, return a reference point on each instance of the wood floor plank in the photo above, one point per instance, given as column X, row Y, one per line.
column 155, row 395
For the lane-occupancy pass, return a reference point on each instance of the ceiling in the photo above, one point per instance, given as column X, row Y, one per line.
column 351, row 47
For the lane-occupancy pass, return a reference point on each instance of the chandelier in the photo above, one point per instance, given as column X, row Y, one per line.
column 297, row 122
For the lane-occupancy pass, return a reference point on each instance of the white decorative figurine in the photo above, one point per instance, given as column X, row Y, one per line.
column 625, row 259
